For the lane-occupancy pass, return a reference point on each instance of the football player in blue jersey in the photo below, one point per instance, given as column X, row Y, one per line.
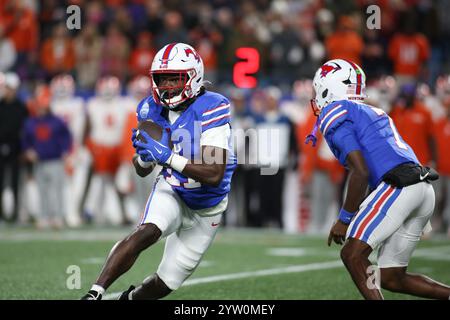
column 389, row 201
column 191, row 192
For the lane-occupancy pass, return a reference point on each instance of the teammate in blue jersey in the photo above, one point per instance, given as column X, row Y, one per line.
column 389, row 201
column 191, row 192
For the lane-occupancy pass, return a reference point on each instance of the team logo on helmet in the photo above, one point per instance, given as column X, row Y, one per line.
column 189, row 51
column 326, row 68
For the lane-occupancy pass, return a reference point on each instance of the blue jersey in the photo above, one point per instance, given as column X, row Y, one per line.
column 208, row 111
column 348, row 126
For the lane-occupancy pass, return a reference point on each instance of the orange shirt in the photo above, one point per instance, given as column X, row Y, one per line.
column 58, row 56
column 415, row 125
column 408, row 53
column 22, row 30
column 141, row 61
column 442, row 138
column 345, row 45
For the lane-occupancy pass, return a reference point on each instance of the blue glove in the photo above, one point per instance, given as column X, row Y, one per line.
column 153, row 150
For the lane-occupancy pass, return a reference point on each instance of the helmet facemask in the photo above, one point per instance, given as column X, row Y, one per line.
column 172, row 87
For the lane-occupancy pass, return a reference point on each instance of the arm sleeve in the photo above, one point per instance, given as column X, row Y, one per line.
column 333, row 117
column 216, row 116
column 344, row 141
column 217, row 137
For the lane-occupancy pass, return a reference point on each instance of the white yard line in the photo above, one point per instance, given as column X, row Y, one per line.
column 251, row 274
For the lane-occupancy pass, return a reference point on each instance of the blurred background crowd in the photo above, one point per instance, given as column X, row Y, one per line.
column 68, row 99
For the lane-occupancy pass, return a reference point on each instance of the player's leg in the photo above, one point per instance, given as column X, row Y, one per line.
column 355, row 255
column 378, row 217
column 396, row 251
column 125, row 252
column 182, row 254
column 161, row 216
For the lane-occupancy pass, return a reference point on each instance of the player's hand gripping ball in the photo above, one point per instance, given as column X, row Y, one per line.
column 152, row 142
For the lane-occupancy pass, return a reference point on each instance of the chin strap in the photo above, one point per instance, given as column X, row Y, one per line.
column 312, row 136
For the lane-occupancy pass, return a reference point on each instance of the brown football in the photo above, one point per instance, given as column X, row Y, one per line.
column 153, row 129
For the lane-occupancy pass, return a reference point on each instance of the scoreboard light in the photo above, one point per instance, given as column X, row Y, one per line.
column 243, row 71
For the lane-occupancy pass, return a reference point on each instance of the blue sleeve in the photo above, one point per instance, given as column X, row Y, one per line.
column 343, row 141
column 216, row 115
column 332, row 117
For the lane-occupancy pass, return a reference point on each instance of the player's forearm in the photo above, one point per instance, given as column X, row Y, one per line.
column 357, row 189
column 142, row 169
column 209, row 174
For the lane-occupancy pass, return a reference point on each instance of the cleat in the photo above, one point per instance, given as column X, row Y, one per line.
column 92, row 295
column 124, row 295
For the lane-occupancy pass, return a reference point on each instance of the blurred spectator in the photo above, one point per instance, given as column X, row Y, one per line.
column 374, row 59
column 345, row 42
column 129, row 182
column 174, row 30
column 142, row 56
column 20, row 26
column 241, row 211
column 70, row 109
column 96, row 15
column 115, row 53
column 7, row 52
column 46, row 142
column 321, row 177
column 271, row 125
column 154, row 13
column 224, row 20
column 123, row 21
column 414, row 123
column 286, row 53
column 13, row 114
column 408, row 50
column 106, row 115
column 207, row 49
column 57, row 52
column 387, row 93
column 88, row 52
column 442, row 136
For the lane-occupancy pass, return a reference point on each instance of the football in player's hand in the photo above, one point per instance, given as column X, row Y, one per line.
column 153, row 129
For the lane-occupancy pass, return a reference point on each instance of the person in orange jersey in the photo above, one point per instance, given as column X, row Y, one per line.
column 442, row 136
column 57, row 52
column 345, row 42
column 142, row 56
column 414, row 123
column 408, row 51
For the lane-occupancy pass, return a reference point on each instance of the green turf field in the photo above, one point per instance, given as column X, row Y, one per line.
column 241, row 264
